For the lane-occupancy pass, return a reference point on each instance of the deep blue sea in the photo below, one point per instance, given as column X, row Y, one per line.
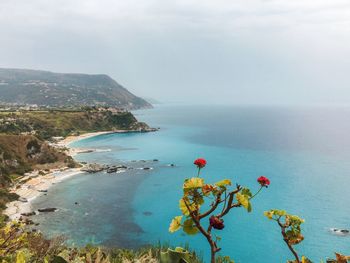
column 305, row 152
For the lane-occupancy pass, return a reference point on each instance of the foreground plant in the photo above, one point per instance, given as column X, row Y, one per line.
column 196, row 191
column 290, row 229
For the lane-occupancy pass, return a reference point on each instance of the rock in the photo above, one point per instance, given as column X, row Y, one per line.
column 94, row 168
column 28, row 214
column 22, row 199
column 86, row 151
column 114, row 169
column 49, row 209
column 26, row 221
column 147, row 129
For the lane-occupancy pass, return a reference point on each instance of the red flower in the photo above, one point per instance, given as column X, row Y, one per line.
column 200, row 162
column 263, row 181
column 216, row 222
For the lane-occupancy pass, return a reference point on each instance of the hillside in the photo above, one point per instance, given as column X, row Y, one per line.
column 54, row 123
column 20, row 154
column 44, row 88
column 23, row 135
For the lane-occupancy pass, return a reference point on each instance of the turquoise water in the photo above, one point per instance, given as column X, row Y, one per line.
column 304, row 152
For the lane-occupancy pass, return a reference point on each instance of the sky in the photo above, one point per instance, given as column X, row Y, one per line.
column 265, row 52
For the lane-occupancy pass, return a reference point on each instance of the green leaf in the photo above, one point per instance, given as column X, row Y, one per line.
column 279, row 212
column 189, row 227
column 243, row 200
column 247, row 192
column 175, row 224
column 193, row 183
column 223, row 183
column 20, row 258
column 268, row 214
column 183, row 207
column 249, row 207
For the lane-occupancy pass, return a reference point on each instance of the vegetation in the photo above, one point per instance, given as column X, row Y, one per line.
column 23, row 136
column 20, row 154
column 20, row 245
column 23, row 148
column 196, row 192
column 61, row 123
column 290, row 229
column 43, row 88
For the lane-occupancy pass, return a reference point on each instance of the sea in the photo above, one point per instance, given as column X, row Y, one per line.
column 305, row 152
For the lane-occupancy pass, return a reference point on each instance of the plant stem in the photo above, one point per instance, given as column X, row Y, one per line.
column 212, row 243
column 285, row 238
column 261, row 187
column 290, row 247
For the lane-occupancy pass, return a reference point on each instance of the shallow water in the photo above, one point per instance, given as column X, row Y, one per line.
column 304, row 152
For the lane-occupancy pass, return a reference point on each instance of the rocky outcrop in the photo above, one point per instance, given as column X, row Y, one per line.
column 114, row 169
column 94, row 168
column 48, row 209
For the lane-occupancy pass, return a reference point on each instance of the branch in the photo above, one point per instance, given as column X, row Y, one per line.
column 286, row 240
column 230, row 201
column 213, row 207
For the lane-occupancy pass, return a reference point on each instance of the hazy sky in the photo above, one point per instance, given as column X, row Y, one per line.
column 217, row 51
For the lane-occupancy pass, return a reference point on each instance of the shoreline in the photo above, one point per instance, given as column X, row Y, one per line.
column 37, row 184
column 72, row 151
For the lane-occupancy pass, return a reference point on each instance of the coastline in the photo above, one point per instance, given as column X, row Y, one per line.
column 35, row 184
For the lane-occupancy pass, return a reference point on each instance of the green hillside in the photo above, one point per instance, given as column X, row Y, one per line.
column 46, row 88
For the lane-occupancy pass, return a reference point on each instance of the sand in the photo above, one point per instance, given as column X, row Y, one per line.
column 35, row 185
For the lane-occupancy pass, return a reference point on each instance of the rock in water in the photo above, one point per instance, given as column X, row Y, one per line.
column 48, row 209
column 28, row 214
column 94, row 168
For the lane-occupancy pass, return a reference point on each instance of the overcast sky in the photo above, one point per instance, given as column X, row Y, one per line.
column 204, row 51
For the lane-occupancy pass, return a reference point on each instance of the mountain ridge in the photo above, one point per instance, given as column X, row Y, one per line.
column 47, row 88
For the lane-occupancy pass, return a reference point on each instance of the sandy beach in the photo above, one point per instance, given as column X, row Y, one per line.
column 35, row 185
column 70, row 139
